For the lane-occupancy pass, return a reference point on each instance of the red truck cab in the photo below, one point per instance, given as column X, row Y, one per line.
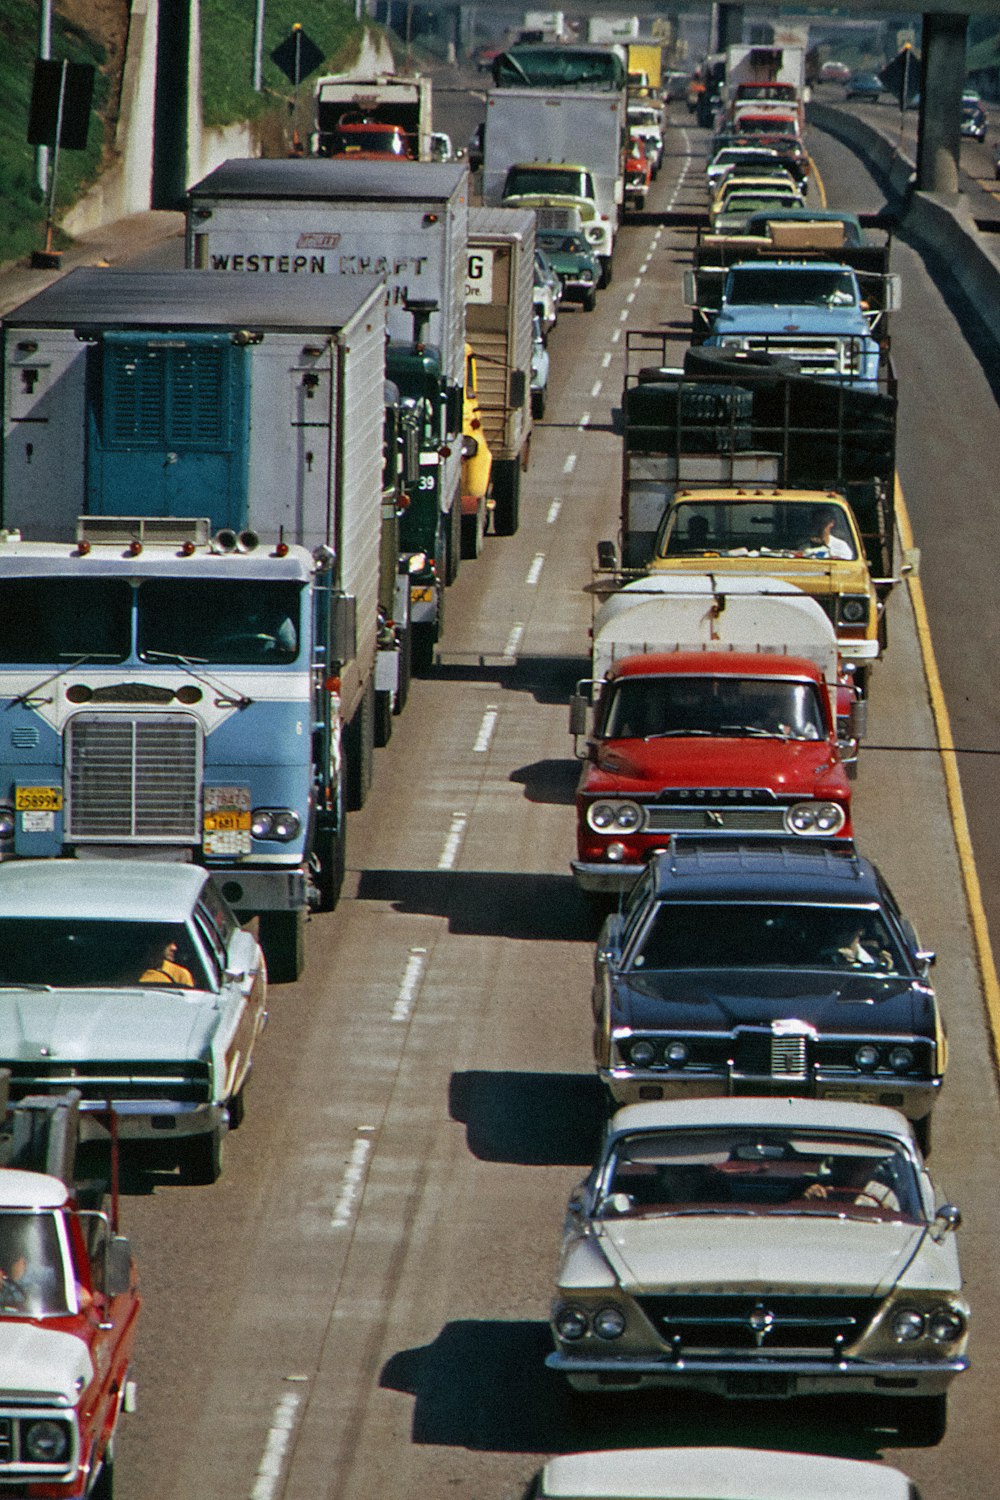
column 727, row 742
column 69, row 1305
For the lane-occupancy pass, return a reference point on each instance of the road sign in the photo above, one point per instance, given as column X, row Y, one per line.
column 61, row 94
column 297, row 56
column 902, row 76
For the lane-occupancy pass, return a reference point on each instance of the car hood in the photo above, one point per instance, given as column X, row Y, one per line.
column 793, row 767
column 570, row 262
column 722, row 999
column 42, row 1364
column 586, row 206
column 123, row 1025
column 791, row 318
column 758, row 1253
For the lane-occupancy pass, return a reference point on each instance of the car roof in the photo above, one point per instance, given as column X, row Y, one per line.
column 772, row 870
column 714, row 664
column 94, row 889
column 30, row 1189
column 763, row 1112
column 717, row 1474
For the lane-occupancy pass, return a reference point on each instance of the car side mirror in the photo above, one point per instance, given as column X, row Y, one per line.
column 947, row 1219
column 926, row 957
column 607, row 557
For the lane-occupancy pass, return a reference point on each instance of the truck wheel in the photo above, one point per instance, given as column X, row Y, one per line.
column 473, row 530
column 201, row 1163
column 237, row 1107
column 606, row 272
column 383, row 719
column 330, row 851
column 453, row 547
column 590, row 302
column 359, row 750
column 103, row 1487
column 283, row 939
column 506, row 496
column 538, row 399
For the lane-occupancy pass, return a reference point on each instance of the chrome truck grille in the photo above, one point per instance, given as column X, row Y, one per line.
column 133, row 777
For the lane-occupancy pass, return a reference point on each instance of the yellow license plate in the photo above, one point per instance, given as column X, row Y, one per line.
column 224, row 821
column 38, row 798
column 420, row 595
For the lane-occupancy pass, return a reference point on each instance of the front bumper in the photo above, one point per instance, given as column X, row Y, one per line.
column 769, row 1378
column 605, row 879
column 150, row 1120
column 915, row 1098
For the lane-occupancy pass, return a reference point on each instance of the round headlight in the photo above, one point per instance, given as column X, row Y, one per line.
column 262, row 824
column 609, row 1323
column 286, row 824
column 6, row 823
column 945, row 1325
column 570, row 1323
column 829, row 817
column 600, row 816
column 866, row 1056
column 46, row 1442
column 641, row 1054
column 677, row 1054
column 628, row 817
column 801, row 818
column 854, row 611
column 901, row 1059
column 907, row 1325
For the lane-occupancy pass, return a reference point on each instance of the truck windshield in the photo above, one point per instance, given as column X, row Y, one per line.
column 33, row 1275
column 380, row 139
column 802, row 287
column 220, row 622
column 89, row 953
column 558, row 67
column 574, row 183
column 58, row 620
column 641, row 707
column 765, row 935
column 757, row 528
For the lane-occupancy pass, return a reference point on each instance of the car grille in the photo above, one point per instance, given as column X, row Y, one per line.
column 181, row 1084
column 134, row 778
column 759, row 1325
column 714, row 819
column 815, row 356
column 762, row 1052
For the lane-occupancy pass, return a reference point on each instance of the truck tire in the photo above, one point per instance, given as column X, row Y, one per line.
column 330, row 854
column 383, row 719
column 589, row 302
column 103, row 1487
column 359, row 750
column 283, row 938
column 538, row 399
column 506, row 496
column 730, row 364
column 201, row 1162
column 606, row 272
column 405, row 668
column 453, row 547
column 473, row 530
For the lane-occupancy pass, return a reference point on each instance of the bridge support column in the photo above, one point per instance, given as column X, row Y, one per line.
column 729, row 26
column 942, row 75
column 170, row 114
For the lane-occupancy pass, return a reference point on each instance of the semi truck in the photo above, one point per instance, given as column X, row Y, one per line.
column 562, row 149
column 400, row 226
column 499, row 289
column 388, row 102
column 193, row 513
column 719, row 710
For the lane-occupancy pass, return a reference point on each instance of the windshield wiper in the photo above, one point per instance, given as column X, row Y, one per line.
column 223, row 697
column 668, row 734
column 753, row 729
column 74, row 659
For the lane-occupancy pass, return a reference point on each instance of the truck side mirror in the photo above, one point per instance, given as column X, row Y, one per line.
column 579, row 714
column 689, row 294
column 343, row 627
column 453, row 407
column 911, row 562
column 858, row 720
column 893, row 292
column 118, row 1266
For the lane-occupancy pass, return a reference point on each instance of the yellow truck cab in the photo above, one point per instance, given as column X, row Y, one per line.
column 807, row 538
column 477, row 462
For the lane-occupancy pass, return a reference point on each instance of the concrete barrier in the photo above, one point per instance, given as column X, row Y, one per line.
column 941, row 228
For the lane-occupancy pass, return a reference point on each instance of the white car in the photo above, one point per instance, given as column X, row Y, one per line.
column 539, row 369
column 716, row 1474
column 763, row 1247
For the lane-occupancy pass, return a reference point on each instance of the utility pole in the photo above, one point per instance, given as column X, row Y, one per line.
column 258, row 47
column 45, row 52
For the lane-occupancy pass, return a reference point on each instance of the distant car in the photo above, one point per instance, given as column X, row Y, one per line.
column 574, row 263
column 972, row 122
column 763, row 1247
column 539, row 369
column 834, row 72
column 638, row 173
column 675, row 86
column 736, row 971
column 730, row 156
column 850, row 224
column 706, row 1473
column 865, row 86
column 133, row 982
column 485, row 57
column 548, row 291
column 736, row 210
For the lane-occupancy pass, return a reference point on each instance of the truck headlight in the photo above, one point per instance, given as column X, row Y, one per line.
column 816, row 818
column 609, row 1323
column 615, row 817
column 6, row 824
column 594, row 233
column 280, row 823
column 853, row 609
column 908, row 1325
column 46, row 1442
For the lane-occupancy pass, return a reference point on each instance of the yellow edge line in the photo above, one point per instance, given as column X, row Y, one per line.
column 820, row 184
column 953, row 786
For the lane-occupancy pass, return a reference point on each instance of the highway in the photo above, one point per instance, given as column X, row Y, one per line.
column 358, row 1307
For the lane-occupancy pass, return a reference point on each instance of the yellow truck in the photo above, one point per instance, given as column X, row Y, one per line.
column 646, row 58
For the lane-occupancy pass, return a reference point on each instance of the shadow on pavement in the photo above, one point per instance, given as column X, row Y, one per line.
column 529, row 1119
column 549, row 781
column 487, row 903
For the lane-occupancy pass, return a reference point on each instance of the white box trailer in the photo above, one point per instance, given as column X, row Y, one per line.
column 499, row 298
column 401, row 99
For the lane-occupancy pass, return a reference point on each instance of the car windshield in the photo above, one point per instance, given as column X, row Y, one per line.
column 740, row 205
column 567, row 244
column 77, row 953
column 801, row 287
column 34, row 1278
column 748, row 1169
column 214, row 622
column 765, row 935
column 645, row 707
column 757, row 528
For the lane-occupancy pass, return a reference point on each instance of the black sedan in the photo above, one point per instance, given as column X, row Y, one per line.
column 766, row 969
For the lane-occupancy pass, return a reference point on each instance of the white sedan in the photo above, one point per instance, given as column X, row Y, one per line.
column 716, row 1474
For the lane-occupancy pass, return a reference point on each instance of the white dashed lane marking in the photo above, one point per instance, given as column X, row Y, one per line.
column 485, row 736
column 535, row 571
column 453, row 843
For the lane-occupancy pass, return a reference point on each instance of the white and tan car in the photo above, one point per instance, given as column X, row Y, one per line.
column 763, row 1247
column 716, row 1474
